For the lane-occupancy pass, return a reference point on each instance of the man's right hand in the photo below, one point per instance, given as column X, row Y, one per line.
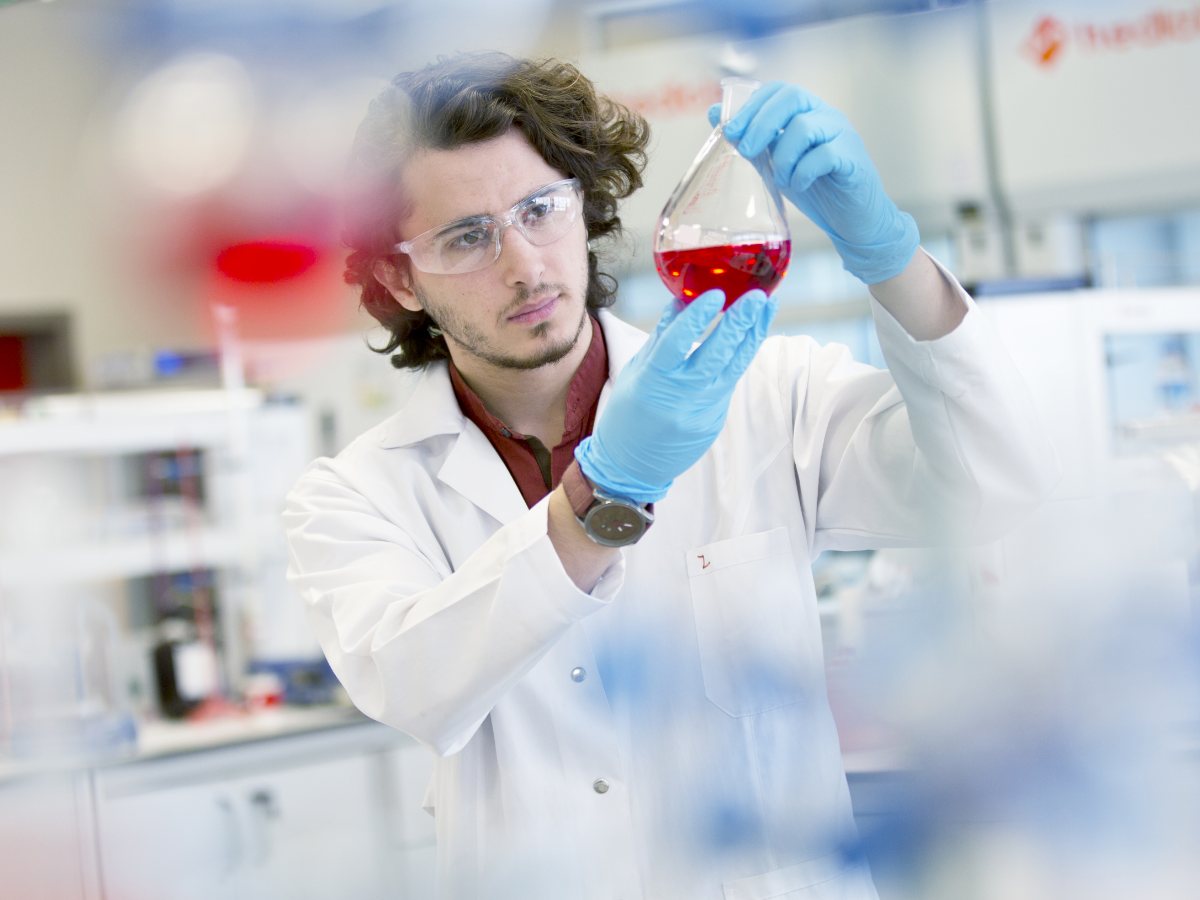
column 669, row 404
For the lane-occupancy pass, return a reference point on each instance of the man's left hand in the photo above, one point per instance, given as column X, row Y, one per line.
column 822, row 166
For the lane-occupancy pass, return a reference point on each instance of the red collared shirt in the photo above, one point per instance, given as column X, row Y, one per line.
column 535, row 469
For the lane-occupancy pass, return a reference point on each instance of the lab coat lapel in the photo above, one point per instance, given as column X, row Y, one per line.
column 473, row 468
column 431, row 410
column 622, row 341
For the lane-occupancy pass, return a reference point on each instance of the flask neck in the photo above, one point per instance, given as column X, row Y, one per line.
column 734, row 93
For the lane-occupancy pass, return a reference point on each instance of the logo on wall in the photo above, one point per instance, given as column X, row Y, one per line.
column 1048, row 41
column 1044, row 46
column 667, row 101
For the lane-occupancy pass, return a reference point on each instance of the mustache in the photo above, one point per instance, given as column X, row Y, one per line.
column 523, row 295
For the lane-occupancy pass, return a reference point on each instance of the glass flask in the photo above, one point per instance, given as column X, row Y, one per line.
column 724, row 226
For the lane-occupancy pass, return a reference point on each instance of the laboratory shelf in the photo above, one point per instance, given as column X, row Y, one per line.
column 128, row 557
column 137, row 422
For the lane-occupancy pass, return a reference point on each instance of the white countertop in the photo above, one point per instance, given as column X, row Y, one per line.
column 160, row 738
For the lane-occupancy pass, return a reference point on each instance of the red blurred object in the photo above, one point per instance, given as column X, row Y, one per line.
column 263, row 690
column 266, row 262
column 12, row 363
column 281, row 289
column 216, row 707
column 734, row 268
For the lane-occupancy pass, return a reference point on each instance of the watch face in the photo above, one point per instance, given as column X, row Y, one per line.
column 615, row 524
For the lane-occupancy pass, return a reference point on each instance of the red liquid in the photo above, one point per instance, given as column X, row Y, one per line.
column 734, row 268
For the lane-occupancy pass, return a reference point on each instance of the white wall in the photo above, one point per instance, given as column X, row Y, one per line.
column 1102, row 125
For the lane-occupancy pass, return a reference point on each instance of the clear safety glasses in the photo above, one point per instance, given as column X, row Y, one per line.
column 474, row 243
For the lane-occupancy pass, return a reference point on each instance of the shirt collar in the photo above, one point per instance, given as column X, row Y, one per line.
column 582, row 394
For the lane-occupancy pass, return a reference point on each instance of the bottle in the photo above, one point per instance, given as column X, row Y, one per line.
column 724, row 226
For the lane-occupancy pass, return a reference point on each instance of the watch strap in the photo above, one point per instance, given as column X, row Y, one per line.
column 578, row 489
column 581, row 492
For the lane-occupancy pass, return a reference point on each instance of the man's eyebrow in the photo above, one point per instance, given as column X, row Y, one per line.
column 461, row 223
column 485, row 217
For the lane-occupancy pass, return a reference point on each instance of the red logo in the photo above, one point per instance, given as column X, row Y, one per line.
column 1048, row 40
column 1045, row 44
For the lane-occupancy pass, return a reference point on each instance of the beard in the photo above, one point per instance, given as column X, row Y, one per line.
column 472, row 338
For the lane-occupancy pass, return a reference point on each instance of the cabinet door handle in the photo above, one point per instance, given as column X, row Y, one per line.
column 263, row 800
column 233, row 837
column 263, row 809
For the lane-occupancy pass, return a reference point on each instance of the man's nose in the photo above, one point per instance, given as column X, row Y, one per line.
column 521, row 260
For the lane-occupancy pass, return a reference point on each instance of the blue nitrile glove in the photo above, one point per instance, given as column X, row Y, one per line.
column 822, row 166
column 667, row 407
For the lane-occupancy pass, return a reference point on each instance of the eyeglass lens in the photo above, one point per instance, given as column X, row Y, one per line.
column 473, row 245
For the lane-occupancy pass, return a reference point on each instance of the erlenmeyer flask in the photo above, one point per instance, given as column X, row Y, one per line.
column 724, row 226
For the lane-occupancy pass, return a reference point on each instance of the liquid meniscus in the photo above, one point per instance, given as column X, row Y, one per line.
column 734, row 268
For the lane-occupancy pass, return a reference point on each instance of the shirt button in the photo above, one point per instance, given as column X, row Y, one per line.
column 600, row 786
column 506, row 432
column 578, row 674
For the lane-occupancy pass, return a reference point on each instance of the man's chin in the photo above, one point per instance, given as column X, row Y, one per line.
column 550, row 350
column 546, row 355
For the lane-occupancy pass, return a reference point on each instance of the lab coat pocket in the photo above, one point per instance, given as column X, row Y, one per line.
column 827, row 878
column 750, row 622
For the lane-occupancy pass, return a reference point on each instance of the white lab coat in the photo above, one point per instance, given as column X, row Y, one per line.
column 444, row 610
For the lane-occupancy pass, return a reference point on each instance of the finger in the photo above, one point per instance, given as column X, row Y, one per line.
column 745, row 352
column 714, row 355
column 678, row 337
column 803, row 134
column 817, row 163
column 737, row 125
column 714, row 114
column 776, row 114
column 669, row 314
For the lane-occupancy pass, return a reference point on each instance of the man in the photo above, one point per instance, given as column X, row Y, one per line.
column 576, row 564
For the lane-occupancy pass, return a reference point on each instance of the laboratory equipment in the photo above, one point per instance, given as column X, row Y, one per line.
column 724, row 226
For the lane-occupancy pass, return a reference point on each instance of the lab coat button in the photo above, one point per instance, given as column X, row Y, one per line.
column 600, row 786
column 578, row 674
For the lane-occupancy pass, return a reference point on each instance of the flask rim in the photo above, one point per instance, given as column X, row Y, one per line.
column 735, row 91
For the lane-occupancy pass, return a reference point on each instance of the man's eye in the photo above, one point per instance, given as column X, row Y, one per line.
column 539, row 210
column 469, row 239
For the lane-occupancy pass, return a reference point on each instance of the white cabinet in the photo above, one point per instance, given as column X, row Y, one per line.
column 303, row 817
column 176, row 844
column 45, row 839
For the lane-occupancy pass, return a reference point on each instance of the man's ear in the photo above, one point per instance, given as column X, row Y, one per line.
column 398, row 283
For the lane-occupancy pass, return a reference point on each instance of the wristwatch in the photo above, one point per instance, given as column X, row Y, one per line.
column 607, row 519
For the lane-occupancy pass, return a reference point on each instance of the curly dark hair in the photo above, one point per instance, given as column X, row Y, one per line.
column 468, row 99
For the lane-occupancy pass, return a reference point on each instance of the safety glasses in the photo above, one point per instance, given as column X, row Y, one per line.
column 475, row 243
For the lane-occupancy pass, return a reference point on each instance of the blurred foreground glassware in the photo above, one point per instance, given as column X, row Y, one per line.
column 59, row 679
column 724, row 226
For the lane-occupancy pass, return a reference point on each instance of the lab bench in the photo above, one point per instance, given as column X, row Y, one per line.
column 283, row 804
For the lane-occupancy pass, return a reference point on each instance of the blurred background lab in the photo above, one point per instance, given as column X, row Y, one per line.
column 1020, row 720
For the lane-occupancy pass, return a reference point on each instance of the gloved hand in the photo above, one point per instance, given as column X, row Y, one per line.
column 822, row 166
column 667, row 407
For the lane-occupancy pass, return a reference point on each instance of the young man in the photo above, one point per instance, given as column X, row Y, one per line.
column 576, row 565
